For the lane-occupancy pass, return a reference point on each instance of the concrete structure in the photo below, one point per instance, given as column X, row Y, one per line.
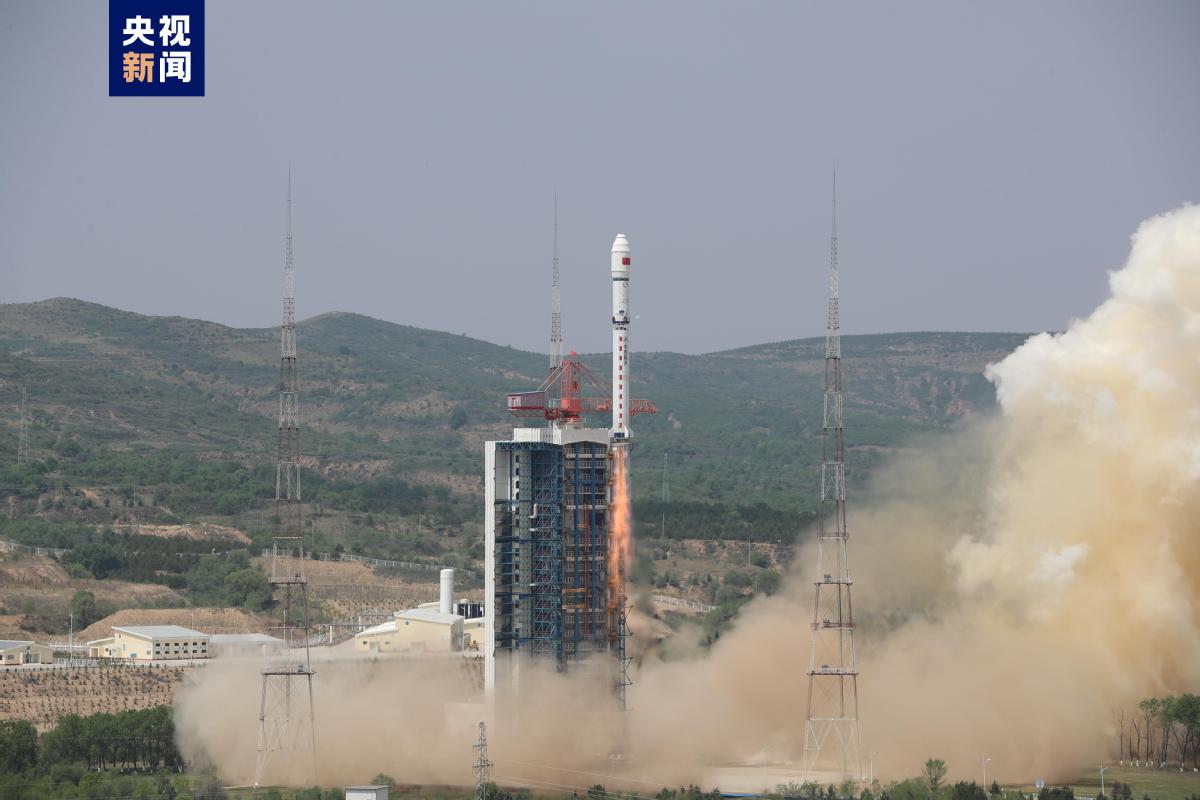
column 225, row 645
column 14, row 652
column 546, row 548
column 152, row 643
column 418, row 630
column 366, row 793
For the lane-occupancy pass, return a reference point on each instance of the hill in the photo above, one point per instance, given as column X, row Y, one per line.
column 172, row 419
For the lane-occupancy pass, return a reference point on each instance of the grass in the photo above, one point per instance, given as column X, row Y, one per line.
column 1160, row 784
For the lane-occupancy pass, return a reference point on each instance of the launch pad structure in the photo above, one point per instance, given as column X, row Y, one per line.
column 554, row 574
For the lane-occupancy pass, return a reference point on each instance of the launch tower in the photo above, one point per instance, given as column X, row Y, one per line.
column 551, row 567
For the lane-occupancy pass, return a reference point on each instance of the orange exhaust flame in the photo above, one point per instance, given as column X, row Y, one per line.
column 620, row 542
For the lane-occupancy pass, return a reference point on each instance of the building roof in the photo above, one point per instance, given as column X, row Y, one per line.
column 14, row 644
column 428, row 615
column 368, row 788
column 160, row 631
column 383, row 627
column 243, row 638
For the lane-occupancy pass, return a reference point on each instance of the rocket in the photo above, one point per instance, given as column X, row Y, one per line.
column 621, row 398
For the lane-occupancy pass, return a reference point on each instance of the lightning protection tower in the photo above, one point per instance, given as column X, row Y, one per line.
column 286, row 720
column 832, row 738
column 556, row 337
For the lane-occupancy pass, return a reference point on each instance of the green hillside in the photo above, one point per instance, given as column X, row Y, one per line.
column 177, row 415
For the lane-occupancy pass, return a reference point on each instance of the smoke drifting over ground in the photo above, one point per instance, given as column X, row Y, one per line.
column 1015, row 584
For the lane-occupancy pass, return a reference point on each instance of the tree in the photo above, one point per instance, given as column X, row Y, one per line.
column 83, row 606
column 18, row 746
column 911, row 789
column 1166, row 718
column 248, row 588
column 967, row 791
column 935, row 772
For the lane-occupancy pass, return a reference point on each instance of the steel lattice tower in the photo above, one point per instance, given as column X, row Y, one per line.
column 832, row 737
column 483, row 767
column 286, row 719
column 556, row 337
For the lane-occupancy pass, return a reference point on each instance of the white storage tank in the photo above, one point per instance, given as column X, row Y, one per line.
column 446, row 598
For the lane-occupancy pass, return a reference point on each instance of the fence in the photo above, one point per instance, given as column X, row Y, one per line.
column 10, row 547
column 371, row 562
column 679, row 602
column 58, row 552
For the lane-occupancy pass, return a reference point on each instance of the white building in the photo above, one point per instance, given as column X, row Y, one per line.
column 366, row 793
column 418, row 630
column 14, row 652
column 152, row 643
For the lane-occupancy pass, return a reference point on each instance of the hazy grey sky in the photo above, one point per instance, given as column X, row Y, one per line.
column 992, row 158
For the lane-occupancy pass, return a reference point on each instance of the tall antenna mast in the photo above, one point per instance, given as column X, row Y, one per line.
column 556, row 338
column 285, row 722
column 23, row 436
column 832, row 737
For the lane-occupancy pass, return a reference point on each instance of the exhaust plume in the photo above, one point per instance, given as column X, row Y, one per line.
column 1017, row 583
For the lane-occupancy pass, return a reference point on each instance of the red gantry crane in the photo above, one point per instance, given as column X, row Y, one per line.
column 560, row 397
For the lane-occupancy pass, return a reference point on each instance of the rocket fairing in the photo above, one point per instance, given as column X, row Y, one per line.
column 621, row 403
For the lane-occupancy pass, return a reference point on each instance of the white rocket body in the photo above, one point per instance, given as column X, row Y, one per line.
column 620, row 338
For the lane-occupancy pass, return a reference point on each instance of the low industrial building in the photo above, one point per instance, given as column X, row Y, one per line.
column 366, row 793
column 225, row 645
column 14, row 652
column 152, row 643
column 418, row 630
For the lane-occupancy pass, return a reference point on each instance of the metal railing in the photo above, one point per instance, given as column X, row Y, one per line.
column 680, row 602
column 10, row 547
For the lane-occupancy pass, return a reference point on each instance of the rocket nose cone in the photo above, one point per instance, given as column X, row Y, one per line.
column 620, row 244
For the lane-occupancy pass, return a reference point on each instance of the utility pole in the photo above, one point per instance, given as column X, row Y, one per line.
column 483, row 767
column 666, row 496
column 832, row 736
column 983, row 762
column 286, row 719
column 23, row 436
column 1103, row 769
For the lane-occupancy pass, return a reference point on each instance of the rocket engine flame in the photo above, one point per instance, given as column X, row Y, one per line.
column 620, row 542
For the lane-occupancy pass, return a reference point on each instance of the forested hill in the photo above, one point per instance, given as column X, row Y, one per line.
column 386, row 405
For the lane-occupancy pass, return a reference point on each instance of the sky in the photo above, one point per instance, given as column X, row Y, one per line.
column 992, row 161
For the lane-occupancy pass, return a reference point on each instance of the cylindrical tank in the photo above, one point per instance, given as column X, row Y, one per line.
column 446, row 598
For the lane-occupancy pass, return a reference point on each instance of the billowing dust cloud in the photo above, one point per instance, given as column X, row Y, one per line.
column 1015, row 584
